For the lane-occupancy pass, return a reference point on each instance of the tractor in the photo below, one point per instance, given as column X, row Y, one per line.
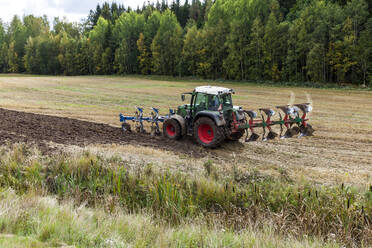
column 211, row 118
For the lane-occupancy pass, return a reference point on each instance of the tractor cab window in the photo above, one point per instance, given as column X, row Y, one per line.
column 226, row 100
column 200, row 102
column 213, row 102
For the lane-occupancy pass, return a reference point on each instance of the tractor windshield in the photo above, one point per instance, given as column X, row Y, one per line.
column 213, row 102
column 226, row 100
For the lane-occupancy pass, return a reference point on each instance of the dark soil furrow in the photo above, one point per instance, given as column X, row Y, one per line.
column 39, row 129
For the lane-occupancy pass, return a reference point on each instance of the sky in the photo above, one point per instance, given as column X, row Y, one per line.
column 73, row 10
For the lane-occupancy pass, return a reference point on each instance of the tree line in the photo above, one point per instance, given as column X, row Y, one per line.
column 277, row 40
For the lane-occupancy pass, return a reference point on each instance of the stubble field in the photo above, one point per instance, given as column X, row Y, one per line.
column 69, row 177
column 339, row 152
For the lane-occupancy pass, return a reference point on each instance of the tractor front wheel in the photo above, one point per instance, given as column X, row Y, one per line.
column 207, row 133
column 171, row 129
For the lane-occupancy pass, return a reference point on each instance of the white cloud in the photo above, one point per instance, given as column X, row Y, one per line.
column 73, row 10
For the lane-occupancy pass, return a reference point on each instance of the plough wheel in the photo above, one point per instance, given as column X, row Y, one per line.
column 171, row 129
column 207, row 133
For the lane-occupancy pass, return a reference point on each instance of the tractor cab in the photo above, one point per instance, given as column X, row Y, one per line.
column 212, row 103
column 206, row 98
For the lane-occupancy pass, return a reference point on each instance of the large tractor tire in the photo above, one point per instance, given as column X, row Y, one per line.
column 172, row 129
column 207, row 133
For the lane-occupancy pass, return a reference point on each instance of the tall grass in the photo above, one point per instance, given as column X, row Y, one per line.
column 34, row 221
column 237, row 202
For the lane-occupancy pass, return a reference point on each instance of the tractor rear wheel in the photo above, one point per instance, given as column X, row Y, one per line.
column 207, row 133
column 172, row 129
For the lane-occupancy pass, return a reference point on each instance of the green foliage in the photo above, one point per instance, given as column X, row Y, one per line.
column 31, row 63
column 297, row 208
column 46, row 222
column 126, row 33
column 191, row 50
column 151, row 28
column 12, row 58
column 3, row 48
column 97, row 43
column 256, row 48
column 63, row 26
column 36, row 26
column 167, row 44
column 144, row 55
column 313, row 42
column 364, row 55
column 17, row 33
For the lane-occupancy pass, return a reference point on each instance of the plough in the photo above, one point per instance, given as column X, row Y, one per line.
column 291, row 117
column 139, row 120
column 211, row 118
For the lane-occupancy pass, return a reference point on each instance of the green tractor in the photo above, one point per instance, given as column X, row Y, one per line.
column 211, row 118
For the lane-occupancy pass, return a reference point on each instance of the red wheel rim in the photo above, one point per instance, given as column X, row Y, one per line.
column 205, row 133
column 171, row 131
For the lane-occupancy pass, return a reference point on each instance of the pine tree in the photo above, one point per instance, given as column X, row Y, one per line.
column 144, row 59
column 12, row 58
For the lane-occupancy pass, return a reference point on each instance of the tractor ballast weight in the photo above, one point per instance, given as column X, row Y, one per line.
column 211, row 118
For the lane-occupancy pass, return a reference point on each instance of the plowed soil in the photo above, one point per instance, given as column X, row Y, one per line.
column 16, row 127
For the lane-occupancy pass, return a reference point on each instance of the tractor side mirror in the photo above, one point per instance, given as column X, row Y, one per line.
column 183, row 97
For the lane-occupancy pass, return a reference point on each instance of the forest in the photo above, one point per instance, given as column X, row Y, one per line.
column 322, row 41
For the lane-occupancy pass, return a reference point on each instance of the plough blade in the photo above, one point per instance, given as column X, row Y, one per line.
column 293, row 123
column 253, row 137
column 289, row 133
column 272, row 135
column 306, row 131
column 295, row 130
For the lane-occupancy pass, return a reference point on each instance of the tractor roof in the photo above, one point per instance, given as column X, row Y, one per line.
column 213, row 90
